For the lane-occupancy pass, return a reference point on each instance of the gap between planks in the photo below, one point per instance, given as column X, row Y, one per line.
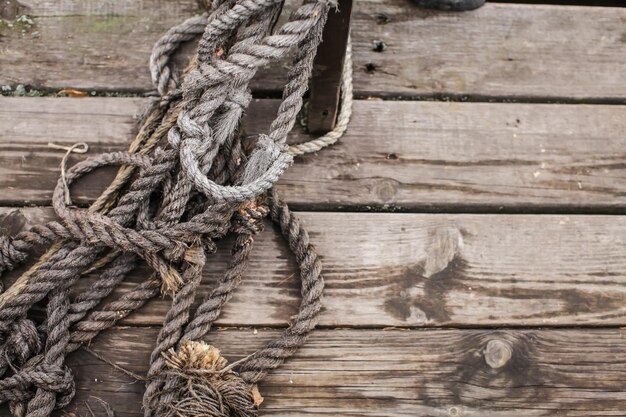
column 589, row 3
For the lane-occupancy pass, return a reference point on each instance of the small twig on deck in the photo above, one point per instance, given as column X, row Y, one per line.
column 89, row 409
column 125, row 371
column 80, row 147
column 107, row 408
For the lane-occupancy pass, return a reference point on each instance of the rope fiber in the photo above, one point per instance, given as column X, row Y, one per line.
column 184, row 184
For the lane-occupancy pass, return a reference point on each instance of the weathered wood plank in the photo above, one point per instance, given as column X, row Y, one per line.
column 328, row 68
column 471, row 373
column 426, row 270
column 28, row 166
column 500, row 50
column 410, row 155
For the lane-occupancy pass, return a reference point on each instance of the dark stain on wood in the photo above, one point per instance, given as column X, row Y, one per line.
column 437, row 286
column 379, row 46
column 573, row 184
column 370, row 68
column 382, row 18
column 476, row 163
column 579, row 302
column 436, row 275
column 572, row 301
column 588, row 168
column 454, row 187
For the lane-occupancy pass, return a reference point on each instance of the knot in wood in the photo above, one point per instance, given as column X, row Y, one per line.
column 497, row 353
column 203, row 386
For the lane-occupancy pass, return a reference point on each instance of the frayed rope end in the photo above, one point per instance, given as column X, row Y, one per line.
column 204, row 385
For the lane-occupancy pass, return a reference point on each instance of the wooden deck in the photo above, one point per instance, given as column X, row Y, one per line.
column 471, row 221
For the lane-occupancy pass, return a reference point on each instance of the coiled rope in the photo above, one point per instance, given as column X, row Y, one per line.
column 187, row 161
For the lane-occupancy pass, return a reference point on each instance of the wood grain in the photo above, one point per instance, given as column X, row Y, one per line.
column 398, row 155
column 416, row 270
column 397, row 373
column 500, row 50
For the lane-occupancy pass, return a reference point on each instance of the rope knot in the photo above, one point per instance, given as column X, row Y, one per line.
column 187, row 128
column 54, row 379
column 9, row 255
column 37, row 373
column 22, row 341
column 204, row 386
column 263, row 156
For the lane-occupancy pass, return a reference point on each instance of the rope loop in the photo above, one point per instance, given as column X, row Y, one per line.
column 160, row 70
column 265, row 166
column 89, row 165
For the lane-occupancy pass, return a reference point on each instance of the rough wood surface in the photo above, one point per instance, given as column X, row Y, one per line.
column 411, row 272
column 425, row 270
column 443, row 373
column 411, row 155
column 500, row 50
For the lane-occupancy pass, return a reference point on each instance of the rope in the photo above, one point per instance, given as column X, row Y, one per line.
column 80, row 147
column 184, row 184
column 343, row 119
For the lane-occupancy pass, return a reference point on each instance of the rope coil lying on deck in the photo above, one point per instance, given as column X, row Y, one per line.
column 185, row 182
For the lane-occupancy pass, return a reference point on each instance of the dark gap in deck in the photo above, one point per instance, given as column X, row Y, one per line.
column 412, row 209
column 475, row 98
column 35, row 92
column 406, row 328
column 595, row 3
column 462, row 209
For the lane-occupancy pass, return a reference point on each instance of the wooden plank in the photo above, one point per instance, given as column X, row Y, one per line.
column 500, row 50
column 407, row 155
column 415, row 270
column 471, row 373
column 328, row 69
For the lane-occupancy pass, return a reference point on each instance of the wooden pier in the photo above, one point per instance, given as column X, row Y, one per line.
column 471, row 221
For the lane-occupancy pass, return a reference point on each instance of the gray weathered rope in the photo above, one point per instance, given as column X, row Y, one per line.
column 172, row 334
column 162, row 74
column 203, row 154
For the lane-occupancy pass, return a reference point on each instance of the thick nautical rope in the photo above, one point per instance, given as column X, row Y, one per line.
column 208, row 187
